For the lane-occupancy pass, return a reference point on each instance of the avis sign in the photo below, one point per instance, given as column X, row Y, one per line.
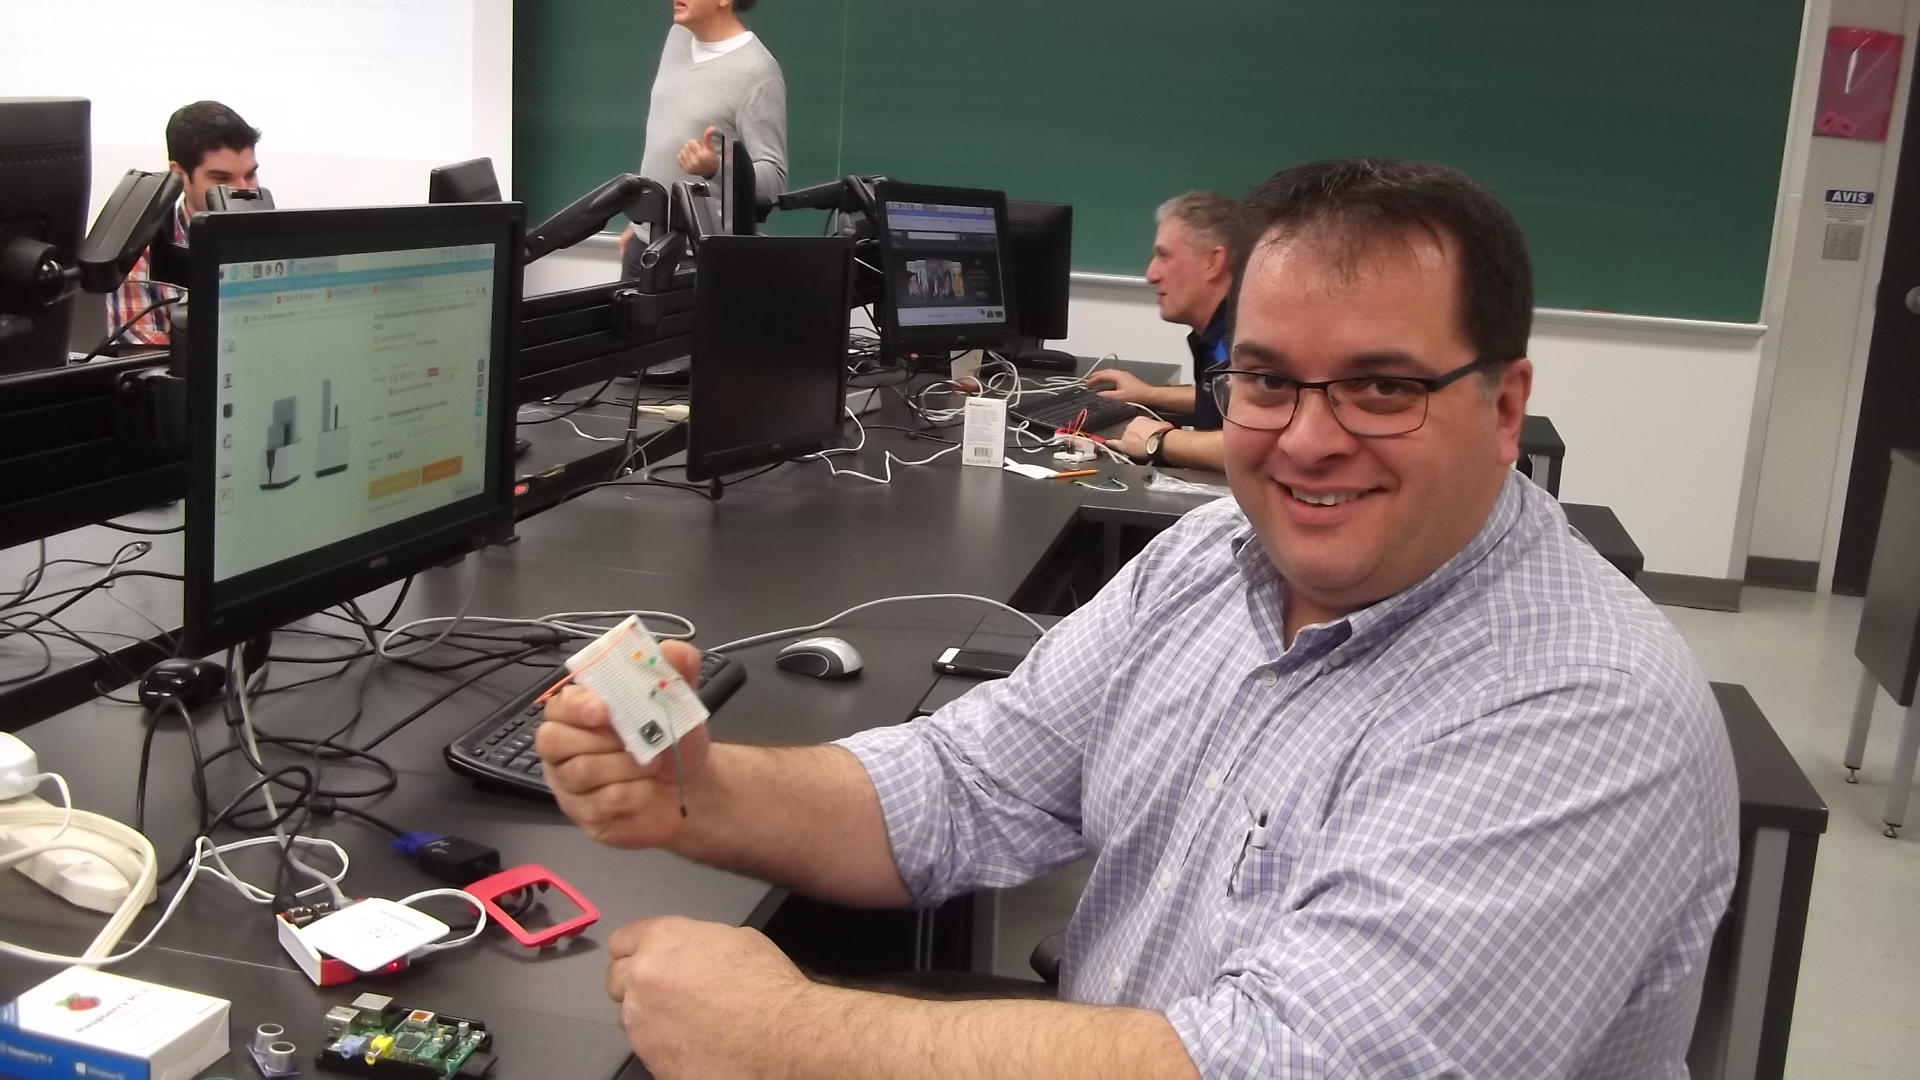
column 1845, row 206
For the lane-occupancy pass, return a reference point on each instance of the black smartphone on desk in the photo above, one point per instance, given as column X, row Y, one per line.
column 976, row 663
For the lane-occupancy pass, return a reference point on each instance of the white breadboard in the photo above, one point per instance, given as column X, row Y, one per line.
column 652, row 706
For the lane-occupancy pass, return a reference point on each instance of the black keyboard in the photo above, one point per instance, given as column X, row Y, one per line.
column 498, row 751
column 1050, row 412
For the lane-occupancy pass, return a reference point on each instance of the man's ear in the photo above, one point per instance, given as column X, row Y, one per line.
column 176, row 169
column 1510, row 396
column 1219, row 264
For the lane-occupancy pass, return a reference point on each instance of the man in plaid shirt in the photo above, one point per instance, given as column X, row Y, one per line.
column 208, row 144
column 1385, row 773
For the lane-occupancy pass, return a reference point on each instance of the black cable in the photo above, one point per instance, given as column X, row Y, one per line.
column 395, row 728
column 62, row 632
column 199, row 780
column 912, row 433
column 592, row 400
column 46, row 658
column 691, row 489
column 108, row 342
column 78, row 593
column 137, row 530
column 227, row 812
column 30, row 582
column 362, row 815
column 405, row 586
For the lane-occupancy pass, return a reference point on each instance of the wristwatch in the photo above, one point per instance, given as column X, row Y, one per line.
column 1154, row 443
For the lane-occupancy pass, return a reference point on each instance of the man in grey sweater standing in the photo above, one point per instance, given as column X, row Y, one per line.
column 715, row 79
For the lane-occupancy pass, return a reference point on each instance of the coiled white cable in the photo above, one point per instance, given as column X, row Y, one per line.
column 774, row 635
column 574, row 625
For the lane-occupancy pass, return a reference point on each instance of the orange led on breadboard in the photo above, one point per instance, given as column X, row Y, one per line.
column 651, row 705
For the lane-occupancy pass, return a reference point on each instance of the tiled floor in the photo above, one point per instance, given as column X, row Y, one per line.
column 1858, row 1013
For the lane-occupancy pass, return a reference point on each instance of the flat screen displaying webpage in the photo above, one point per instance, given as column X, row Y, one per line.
column 946, row 265
column 352, row 394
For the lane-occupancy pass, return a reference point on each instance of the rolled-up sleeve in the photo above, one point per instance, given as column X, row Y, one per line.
column 1485, row 903
column 986, row 792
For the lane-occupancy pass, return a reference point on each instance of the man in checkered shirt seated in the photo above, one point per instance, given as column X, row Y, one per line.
column 1383, row 770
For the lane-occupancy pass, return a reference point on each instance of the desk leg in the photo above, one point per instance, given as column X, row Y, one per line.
column 1109, row 552
column 1862, row 720
column 1753, row 955
column 986, row 931
column 1902, row 788
column 1540, row 470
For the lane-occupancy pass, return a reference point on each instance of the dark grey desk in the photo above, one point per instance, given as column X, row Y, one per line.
column 785, row 549
column 1888, row 645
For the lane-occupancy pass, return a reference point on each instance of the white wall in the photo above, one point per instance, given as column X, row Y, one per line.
column 356, row 100
column 1825, row 323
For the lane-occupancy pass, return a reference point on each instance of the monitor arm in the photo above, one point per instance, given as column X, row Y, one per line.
column 35, row 275
column 848, row 195
column 643, row 200
column 693, row 213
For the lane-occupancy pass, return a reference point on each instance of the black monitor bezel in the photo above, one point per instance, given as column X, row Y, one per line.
column 49, row 182
column 1044, row 225
column 898, row 341
column 449, row 184
column 705, row 462
column 217, row 613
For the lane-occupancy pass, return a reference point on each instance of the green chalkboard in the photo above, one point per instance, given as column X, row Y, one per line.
column 1639, row 141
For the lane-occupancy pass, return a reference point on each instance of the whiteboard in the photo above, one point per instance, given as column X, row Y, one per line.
column 356, row 99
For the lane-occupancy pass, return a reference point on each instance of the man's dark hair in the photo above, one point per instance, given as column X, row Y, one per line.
column 1356, row 203
column 741, row 7
column 196, row 130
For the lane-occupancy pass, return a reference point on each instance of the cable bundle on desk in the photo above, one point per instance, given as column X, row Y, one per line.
column 21, row 616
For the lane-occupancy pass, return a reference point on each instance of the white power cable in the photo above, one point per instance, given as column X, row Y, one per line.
column 888, row 460
column 51, row 843
column 451, row 894
column 590, row 438
column 386, row 653
column 574, row 625
column 266, row 789
column 775, row 635
column 141, row 877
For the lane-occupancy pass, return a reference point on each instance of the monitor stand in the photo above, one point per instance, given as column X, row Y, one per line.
column 1032, row 354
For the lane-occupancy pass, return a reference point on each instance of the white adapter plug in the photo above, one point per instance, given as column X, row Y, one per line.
column 18, row 767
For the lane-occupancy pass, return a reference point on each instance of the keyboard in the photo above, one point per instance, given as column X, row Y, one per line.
column 498, row 751
column 1048, row 412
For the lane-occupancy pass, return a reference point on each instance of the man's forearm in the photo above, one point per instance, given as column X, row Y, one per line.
column 1174, row 399
column 841, row 1034
column 805, row 818
column 1195, row 449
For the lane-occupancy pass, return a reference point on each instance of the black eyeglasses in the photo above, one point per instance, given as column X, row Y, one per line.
column 1369, row 406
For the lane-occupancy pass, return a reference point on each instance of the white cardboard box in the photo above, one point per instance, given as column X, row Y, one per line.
column 95, row 1026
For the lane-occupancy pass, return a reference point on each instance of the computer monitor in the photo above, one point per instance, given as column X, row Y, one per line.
column 468, row 181
column 943, row 252
column 769, row 350
column 739, row 198
column 45, row 172
column 1041, row 235
column 349, row 404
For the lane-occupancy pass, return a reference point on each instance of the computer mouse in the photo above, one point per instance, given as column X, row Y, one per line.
column 193, row 682
column 820, row 657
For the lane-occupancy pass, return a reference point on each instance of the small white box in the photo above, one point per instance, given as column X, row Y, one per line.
column 984, row 438
column 89, row 1024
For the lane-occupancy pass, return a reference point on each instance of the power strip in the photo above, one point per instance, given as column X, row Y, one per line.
column 90, row 875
